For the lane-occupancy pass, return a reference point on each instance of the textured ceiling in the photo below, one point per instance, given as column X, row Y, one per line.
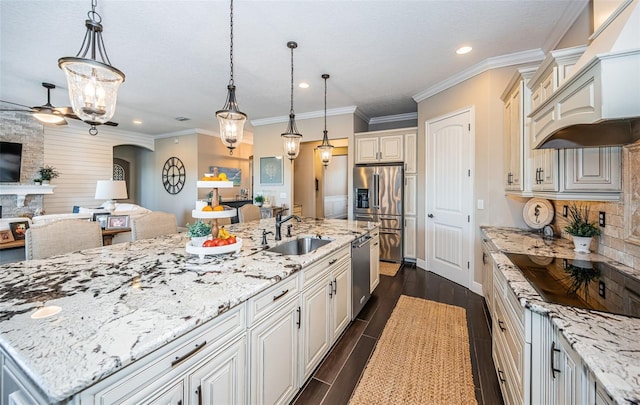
column 175, row 54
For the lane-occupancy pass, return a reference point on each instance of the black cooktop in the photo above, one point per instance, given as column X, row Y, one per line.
column 581, row 283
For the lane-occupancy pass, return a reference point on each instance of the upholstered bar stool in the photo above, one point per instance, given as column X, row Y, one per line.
column 153, row 224
column 249, row 212
column 59, row 237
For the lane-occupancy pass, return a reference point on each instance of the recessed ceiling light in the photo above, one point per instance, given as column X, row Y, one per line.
column 137, row 122
column 463, row 50
column 182, row 119
column 303, row 85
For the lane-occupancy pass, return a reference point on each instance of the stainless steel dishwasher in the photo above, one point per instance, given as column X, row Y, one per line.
column 360, row 276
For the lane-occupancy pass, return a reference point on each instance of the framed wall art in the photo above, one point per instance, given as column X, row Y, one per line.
column 233, row 174
column 271, row 170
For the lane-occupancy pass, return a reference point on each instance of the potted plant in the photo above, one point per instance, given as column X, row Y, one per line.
column 580, row 228
column 47, row 173
column 259, row 200
column 199, row 232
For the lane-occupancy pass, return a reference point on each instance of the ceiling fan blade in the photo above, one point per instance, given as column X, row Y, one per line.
column 14, row 110
column 70, row 114
column 19, row 105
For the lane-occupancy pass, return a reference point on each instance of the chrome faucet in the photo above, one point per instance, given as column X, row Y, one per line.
column 280, row 221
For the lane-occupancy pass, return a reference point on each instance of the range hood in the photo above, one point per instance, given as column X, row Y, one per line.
column 599, row 102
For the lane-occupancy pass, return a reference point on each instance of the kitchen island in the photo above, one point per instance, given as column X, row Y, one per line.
column 122, row 302
column 606, row 344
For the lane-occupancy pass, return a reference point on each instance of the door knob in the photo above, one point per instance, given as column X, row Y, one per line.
column 430, row 215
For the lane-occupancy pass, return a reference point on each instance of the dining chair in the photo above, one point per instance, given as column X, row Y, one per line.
column 249, row 212
column 63, row 236
column 156, row 223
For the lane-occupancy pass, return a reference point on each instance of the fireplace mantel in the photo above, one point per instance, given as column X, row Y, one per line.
column 22, row 190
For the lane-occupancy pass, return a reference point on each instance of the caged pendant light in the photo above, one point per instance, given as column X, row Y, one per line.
column 231, row 119
column 291, row 138
column 93, row 84
column 326, row 149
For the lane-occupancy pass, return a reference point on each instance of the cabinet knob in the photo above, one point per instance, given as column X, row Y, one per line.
column 430, row 215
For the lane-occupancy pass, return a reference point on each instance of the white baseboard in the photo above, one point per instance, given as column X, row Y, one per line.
column 422, row 264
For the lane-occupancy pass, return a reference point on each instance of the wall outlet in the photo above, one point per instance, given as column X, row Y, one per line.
column 565, row 211
column 283, row 195
column 601, row 219
column 601, row 289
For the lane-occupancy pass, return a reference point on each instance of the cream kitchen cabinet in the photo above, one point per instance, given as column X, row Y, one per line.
column 16, row 387
column 411, row 153
column 487, row 276
column 162, row 376
column 517, row 101
column 274, row 318
column 410, row 216
column 385, row 147
column 325, row 302
column 374, row 260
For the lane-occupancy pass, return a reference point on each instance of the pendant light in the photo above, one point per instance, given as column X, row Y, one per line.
column 93, row 84
column 291, row 138
column 326, row 149
column 231, row 119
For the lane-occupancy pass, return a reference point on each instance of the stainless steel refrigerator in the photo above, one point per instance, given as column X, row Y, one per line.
column 379, row 194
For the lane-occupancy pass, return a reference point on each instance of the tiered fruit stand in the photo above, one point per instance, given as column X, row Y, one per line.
column 228, row 212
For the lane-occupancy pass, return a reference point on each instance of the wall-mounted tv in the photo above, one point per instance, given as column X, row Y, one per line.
column 10, row 161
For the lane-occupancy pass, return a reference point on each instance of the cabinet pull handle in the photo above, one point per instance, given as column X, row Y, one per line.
column 199, row 392
column 554, row 370
column 179, row 402
column 375, row 244
column 501, row 376
column 299, row 317
column 193, row 351
column 330, row 289
column 541, row 175
column 501, row 325
column 282, row 294
column 335, row 286
column 484, row 258
column 332, row 261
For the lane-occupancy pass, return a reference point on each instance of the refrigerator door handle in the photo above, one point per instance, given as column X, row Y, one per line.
column 376, row 190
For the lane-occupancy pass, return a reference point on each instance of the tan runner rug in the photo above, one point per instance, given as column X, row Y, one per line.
column 421, row 358
column 389, row 269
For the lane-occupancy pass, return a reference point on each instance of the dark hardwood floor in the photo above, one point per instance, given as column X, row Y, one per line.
column 335, row 379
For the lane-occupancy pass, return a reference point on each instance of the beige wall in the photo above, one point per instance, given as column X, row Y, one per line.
column 267, row 142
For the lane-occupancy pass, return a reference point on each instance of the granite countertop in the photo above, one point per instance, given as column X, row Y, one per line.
column 123, row 301
column 608, row 344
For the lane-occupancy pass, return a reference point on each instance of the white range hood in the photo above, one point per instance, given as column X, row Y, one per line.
column 599, row 103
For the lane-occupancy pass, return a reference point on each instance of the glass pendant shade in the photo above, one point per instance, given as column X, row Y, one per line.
column 326, row 151
column 93, row 88
column 231, row 121
column 291, row 144
column 93, row 84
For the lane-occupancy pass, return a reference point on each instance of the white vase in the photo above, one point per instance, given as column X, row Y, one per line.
column 581, row 244
column 197, row 241
column 45, row 181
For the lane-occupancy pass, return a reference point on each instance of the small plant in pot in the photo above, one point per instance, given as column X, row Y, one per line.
column 259, row 200
column 198, row 232
column 580, row 228
column 47, row 173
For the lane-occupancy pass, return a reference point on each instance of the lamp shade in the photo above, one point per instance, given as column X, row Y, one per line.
column 111, row 190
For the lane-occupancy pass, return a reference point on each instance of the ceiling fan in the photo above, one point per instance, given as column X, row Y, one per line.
column 48, row 114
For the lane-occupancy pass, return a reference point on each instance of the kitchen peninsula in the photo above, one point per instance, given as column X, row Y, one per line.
column 121, row 304
column 573, row 355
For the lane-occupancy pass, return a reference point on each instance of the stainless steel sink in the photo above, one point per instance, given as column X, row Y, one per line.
column 299, row 246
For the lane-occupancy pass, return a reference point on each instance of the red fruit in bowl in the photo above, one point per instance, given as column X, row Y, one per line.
column 208, row 243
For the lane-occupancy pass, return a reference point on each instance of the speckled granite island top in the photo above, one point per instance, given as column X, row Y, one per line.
column 608, row 344
column 124, row 301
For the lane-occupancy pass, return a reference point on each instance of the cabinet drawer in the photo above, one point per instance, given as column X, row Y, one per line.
column 511, row 393
column 320, row 268
column 152, row 373
column 261, row 305
column 510, row 337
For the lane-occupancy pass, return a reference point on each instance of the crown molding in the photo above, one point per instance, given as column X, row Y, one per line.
column 360, row 114
column 305, row 116
column 200, row 131
column 394, row 118
column 567, row 19
column 517, row 58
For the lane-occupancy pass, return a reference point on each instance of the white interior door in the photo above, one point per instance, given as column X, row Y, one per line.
column 449, row 197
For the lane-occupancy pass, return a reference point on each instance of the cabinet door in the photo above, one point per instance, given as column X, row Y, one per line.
column 410, row 226
column 221, row 379
column 568, row 374
column 367, row 150
column 274, row 356
column 173, row 395
column 593, row 169
column 374, row 259
column 14, row 389
column 340, row 300
column 316, row 313
column 410, row 153
column 410, row 200
column 487, row 279
column 545, row 171
column 392, row 148
column 513, row 139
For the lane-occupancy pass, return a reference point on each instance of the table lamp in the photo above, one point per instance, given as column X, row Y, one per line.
column 111, row 190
